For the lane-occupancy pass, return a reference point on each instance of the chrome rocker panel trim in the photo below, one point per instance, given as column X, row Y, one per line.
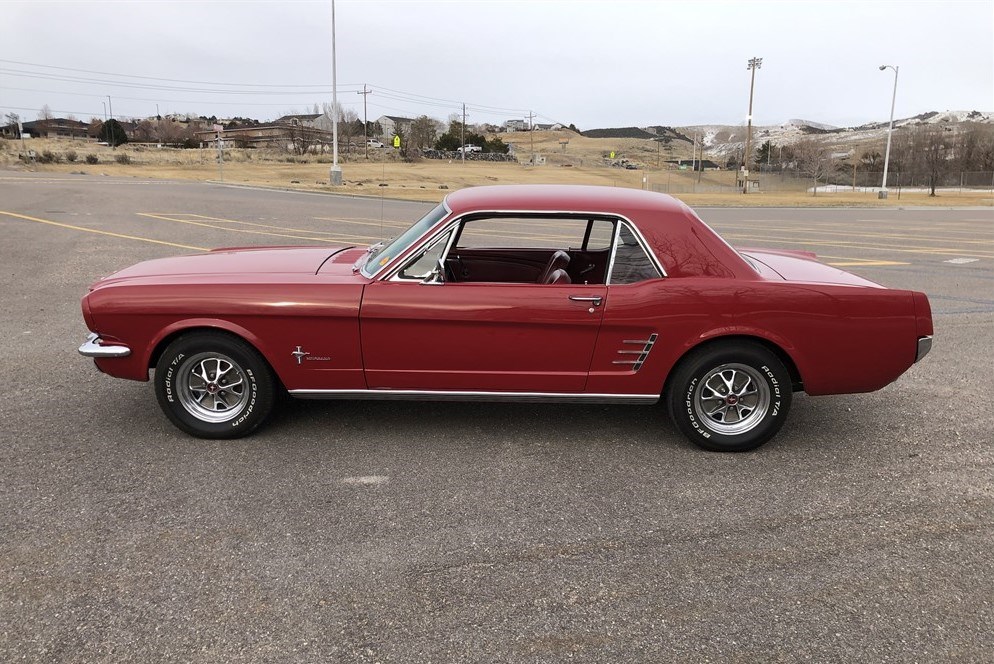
column 446, row 395
column 92, row 348
column 924, row 346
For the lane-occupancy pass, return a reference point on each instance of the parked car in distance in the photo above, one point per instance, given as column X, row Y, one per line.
column 373, row 143
column 469, row 148
column 509, row 293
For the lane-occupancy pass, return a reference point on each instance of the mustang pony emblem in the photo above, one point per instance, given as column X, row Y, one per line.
column 299, row 354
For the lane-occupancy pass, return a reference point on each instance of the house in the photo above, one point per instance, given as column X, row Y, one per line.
column 391, row 123
column 277, row 134
column 516, row 125
column 302, row 119
column 55, row 128
column 548, row 127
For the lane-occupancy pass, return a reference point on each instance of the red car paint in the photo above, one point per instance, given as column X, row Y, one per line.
column 840, row 332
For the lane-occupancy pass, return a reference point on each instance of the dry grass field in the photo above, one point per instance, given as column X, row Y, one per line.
column 581, row 161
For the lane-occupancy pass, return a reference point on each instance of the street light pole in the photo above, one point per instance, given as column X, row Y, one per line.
column 890, row 130
column 753, row 65
column 335, row 173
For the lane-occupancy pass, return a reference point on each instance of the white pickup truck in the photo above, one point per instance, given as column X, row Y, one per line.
column 469, row 148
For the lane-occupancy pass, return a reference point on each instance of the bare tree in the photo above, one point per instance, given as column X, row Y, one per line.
column 935, row 148
column 95, row 127
column 167, row 131
column 814, row 159
column 422, row 133
column 145, row 132
column 45, row 118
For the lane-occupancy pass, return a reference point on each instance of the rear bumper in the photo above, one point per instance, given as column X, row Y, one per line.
column 92, row 348
column 924, row 346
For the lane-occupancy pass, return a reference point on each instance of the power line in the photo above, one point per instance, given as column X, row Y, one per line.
column 161, row 101
column 155, row 78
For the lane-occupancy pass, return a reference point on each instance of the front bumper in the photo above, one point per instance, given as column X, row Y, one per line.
column 924, row 346
column 92, row 348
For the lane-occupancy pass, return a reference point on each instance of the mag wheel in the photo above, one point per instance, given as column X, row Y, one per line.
column 730, row 397
column 213, row 385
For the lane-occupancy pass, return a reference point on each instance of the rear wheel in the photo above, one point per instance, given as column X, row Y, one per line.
column 213, row 385
column 730, row 397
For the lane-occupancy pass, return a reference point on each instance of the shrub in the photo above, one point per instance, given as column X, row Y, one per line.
column 71, row 155
column 92, row 159
column 122, row 158
column 49, row 157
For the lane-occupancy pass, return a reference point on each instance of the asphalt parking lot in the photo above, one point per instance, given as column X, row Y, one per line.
column 447, row 532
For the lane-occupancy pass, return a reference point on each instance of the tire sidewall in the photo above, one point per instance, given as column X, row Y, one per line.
column 257, row 376
column 693, row 370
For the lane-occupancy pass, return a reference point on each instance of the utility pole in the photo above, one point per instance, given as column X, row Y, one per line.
column 365, row 117
column 693, row 154
column 462, row 133
column 110, row 138
column 335, row 173
column 531, row 134
column 754, row 64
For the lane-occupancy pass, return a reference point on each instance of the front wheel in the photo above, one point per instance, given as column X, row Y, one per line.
column 731, row 397
column 213, row 385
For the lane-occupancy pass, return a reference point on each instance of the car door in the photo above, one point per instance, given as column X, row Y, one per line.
column 424, row 334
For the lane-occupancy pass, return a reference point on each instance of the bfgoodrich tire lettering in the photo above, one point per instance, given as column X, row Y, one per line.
column 214, row 385
column 730, row 397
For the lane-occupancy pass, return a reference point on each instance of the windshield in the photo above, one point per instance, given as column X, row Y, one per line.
column 383, row 253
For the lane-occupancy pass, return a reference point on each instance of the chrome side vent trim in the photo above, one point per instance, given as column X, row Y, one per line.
column 637, row 362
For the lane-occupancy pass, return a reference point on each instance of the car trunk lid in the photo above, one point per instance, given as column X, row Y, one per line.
column 801, row 266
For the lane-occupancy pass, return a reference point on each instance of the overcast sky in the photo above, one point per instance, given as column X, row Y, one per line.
column 593, row 63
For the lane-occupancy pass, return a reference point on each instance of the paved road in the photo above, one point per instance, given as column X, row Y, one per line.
column 403, row 532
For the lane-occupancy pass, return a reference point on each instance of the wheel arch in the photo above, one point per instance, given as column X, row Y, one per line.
column 797, row 382
column 179, row 329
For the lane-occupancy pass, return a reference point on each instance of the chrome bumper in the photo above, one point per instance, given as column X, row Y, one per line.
column 924, row 346
column 92, row 348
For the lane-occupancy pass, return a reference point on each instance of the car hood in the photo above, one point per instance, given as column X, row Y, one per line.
column 802, row 266
column 239, row 261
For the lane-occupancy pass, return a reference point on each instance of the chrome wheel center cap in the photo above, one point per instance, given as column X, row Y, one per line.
column 212, row 388
column 731, row 399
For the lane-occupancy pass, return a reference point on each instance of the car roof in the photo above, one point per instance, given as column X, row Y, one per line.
column 561, row 198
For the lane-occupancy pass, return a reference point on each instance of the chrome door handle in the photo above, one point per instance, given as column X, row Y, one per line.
column 596, row 299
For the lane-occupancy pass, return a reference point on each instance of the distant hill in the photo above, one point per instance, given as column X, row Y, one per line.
column 618, row 132
column 720, row 140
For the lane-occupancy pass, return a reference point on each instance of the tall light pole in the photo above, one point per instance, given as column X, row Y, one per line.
column 890, row 130
column 335, row 173
column 754, row 64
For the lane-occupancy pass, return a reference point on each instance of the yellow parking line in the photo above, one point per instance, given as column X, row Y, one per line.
column 337, row 236
column 861, row 263
column 849, row 261
column 888, row 236
column 904, row 249
column 365, row 221
column 237, row 230
column 99, row 232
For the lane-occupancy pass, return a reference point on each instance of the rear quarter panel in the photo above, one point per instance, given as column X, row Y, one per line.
column 842, row 339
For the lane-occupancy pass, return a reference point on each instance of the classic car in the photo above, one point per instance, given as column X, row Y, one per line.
column 509, row 293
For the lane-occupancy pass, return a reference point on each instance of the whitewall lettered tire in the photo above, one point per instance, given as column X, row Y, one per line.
column 730, row 397
column 214, row 385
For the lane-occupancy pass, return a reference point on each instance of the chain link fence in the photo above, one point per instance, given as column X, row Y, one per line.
column 953, row 182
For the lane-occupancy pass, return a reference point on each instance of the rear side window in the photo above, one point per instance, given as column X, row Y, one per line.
column 631, row 263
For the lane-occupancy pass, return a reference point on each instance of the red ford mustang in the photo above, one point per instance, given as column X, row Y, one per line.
column 518, row 293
